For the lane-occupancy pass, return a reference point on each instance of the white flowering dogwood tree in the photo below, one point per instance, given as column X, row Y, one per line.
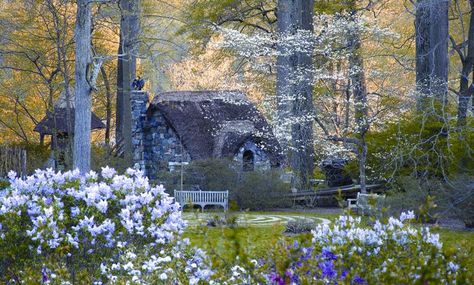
column 332, row 60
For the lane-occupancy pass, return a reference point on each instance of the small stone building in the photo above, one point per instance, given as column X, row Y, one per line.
column 178, row 127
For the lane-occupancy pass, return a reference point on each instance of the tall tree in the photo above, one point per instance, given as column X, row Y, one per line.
column 431, row 26
column 294, row 87
column 82, row 122
column 359, row 91
column 465, row 50
column 126, row 72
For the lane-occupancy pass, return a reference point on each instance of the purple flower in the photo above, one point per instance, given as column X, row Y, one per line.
column 44, row 274
column 327, row 268
column 293, row 277
column 306, row 253
column 359, row 280
column 328, row 255
column 295, row 244
column 277, row 279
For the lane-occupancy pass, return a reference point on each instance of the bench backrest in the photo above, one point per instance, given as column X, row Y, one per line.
column 209, row 197
column 367, row 200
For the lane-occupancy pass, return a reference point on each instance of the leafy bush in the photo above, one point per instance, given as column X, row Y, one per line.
column 4, row 184
column 433, row 199
column 256, row 190
column 299, row 226
column 420, row 146
column 259, row 190
column 349, row 252
column 101, row 156
column 227, row 221
column 107, row 228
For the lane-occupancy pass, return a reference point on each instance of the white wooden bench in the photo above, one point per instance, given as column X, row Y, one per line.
column 202, row 198
column 366, row 203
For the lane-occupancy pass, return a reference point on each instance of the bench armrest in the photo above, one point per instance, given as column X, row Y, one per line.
column 351, row 203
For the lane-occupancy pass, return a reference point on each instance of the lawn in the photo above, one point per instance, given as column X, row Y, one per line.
column 254, row 240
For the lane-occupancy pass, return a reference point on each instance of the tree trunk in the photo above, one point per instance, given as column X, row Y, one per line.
column 286, row 63
column 108, row 105
column 431, row 31
column 129, row 29
column 465, row 91
column 119, row 99
column 294, row 89
column 363, row 165
column 359, row 90
column 82, row 122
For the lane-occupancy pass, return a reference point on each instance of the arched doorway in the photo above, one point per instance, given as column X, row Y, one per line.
column 248, row 161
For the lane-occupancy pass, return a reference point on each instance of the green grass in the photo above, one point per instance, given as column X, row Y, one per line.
column 224, row 244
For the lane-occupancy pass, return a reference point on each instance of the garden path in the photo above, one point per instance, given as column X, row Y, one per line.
column 251, row 219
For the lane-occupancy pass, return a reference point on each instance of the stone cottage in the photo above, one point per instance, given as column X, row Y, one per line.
column 178, row 127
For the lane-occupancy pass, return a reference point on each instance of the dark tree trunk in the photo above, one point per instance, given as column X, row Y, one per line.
column 466, row 91
column 294, row 89
column 82, row 122
column 359, row 90
column 129, row 29
column 431, row 31
column 119, row 99
column 108, row 105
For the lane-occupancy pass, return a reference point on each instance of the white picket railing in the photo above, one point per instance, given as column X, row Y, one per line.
column 202, row 198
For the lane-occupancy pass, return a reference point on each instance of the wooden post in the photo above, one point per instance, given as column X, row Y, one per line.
column 23, row 163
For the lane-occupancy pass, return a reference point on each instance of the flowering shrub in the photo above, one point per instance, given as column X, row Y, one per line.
column 94, row 228
column 64, row 228
column 348, row 252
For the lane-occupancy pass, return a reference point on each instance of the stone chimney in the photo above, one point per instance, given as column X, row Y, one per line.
column 138, row 102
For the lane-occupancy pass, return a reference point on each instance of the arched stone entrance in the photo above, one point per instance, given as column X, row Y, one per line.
column 248, row 161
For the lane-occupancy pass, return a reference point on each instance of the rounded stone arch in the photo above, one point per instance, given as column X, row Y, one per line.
column 251, row 156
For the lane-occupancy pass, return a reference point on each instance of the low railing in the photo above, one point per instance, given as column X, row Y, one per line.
column 202, row 198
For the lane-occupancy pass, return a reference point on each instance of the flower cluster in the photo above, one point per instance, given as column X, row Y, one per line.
column 101, row 217
column 349, row 252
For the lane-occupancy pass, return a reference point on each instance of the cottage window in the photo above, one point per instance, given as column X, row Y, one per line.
column 248, row 160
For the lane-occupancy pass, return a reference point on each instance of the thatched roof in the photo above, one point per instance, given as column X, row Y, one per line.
column 59, row 121
column 215, row 123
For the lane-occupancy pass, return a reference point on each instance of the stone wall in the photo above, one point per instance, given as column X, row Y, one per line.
column 138, row 102
column 163, row 149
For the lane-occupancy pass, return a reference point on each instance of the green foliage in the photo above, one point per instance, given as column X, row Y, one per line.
column 256, row 190
column 434, row 199
column 37, row 155
column 4, row 184
column 260, row 190
column 101, row 156
column 421, row 146
column 332, row 6
column 227, row 220
column 250, row 14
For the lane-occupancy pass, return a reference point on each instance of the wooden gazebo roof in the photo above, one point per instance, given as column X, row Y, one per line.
column 58, row 120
